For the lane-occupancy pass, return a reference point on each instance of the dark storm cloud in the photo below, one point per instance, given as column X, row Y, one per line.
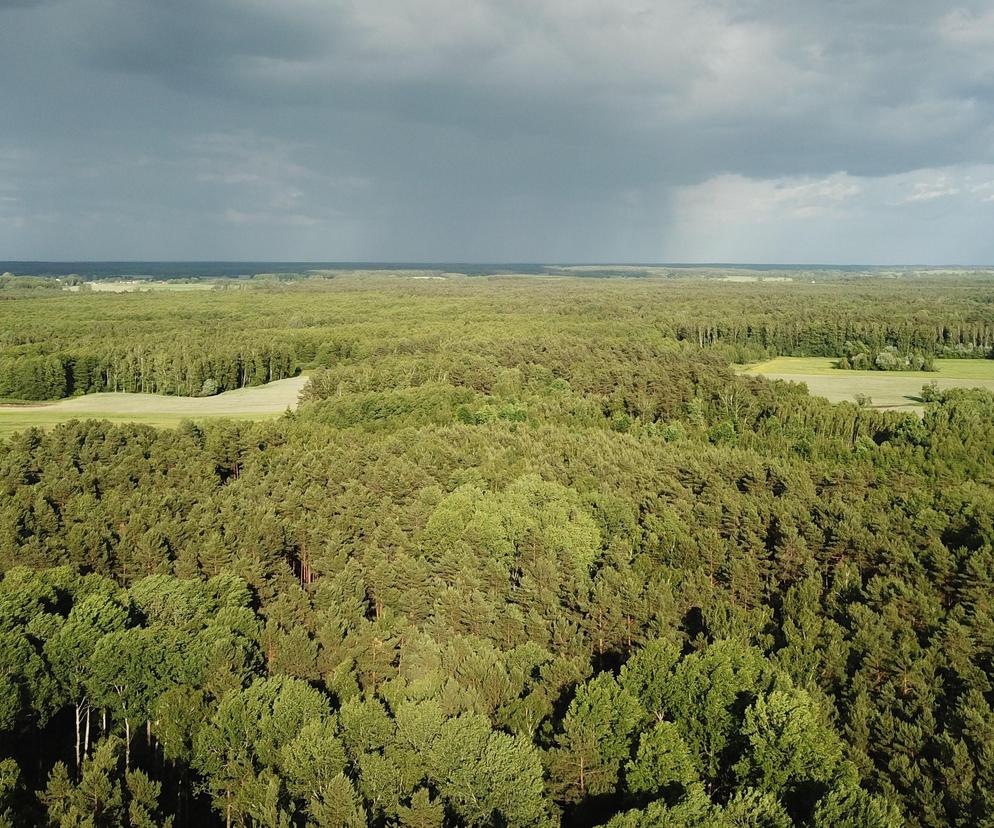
column 489, row 129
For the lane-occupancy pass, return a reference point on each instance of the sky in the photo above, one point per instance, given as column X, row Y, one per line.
column 850, row 131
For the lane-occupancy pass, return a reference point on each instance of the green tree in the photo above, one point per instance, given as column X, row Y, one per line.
column 852, row 807
column 595, row 739
column 70, row 652
column 790, row 751
column 663, row 763
column 240, row 749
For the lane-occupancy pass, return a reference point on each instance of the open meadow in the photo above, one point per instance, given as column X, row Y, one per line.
column 257, row 403
column 886, row 389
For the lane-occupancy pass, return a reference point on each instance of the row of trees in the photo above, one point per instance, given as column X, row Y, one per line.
column 861, row 357
column 828, row 336
column 184, row 369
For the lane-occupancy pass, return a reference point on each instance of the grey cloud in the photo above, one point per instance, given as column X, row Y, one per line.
column 465, row 128
column 811, row 89
column 22, row 4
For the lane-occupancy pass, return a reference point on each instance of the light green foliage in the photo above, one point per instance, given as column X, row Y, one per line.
column 663, row 762
column 422, row 812
column 694, row 810
column 486, row 776
column 789, row 751
column 179, row 713
column 366, row 726
column 338, row 806
column 707, row 695
column 851, row 807
column 246, row 740
column 595, row 739
column 106, row 796
column 28, row 691
column 70, row 651
column 143, row 807
column 313, row 763
column 531, row 517
column 648, row 675
column 128, row 672
column 753, row 808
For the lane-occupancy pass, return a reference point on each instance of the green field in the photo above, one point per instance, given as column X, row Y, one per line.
column 895, row 390
column 257, row 403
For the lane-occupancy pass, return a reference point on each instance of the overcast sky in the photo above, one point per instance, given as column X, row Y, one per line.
column 498, row 130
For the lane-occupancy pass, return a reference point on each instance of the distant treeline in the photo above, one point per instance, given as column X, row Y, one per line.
column 830, row 335
column 60, row 344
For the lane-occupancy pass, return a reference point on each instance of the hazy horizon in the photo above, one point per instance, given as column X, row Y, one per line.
column 369, row 264
column 436, row 263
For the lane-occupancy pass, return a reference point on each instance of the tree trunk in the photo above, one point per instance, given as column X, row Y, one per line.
column 79, row 711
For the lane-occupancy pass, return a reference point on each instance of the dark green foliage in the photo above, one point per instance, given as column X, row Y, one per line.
column 524, row 563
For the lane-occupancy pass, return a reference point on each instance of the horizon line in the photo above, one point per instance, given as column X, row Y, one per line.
column 483, row 262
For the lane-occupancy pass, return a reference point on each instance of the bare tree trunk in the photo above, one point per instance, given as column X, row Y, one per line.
column 79, row 711
column 127, row 745
column 86, row 738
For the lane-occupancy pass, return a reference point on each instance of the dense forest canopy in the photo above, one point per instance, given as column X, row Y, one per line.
column 242, row 334
column 529, row 553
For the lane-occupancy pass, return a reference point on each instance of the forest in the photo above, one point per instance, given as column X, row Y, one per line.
column 242, row 334
column 529, row 553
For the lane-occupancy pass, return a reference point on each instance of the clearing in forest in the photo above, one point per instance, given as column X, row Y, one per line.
column 886, row 389
column 256, row 403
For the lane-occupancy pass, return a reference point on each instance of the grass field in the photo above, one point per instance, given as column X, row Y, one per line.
column 142, row 285
column 258, row 403
column 897, row 389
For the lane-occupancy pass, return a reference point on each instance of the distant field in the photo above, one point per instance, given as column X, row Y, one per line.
column 133, row 285
column 897, row 389
column 740, row 278
column 258, row 403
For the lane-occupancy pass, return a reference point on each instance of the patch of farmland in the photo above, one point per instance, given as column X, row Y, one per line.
column 256, row 403
column 886, row 389
column 143, row 285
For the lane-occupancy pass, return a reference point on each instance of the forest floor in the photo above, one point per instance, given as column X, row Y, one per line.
column 257, row 403
column 899, row 390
